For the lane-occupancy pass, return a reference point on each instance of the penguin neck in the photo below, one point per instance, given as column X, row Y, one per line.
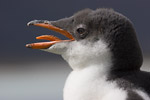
column 101, row 64
column 101, row 69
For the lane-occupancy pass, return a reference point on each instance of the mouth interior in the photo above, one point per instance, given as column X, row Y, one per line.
column 51, row 38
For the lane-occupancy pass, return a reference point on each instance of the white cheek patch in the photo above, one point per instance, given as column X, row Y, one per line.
column 82, row 54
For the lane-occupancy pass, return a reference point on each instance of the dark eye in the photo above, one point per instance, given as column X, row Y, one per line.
column 81, row 30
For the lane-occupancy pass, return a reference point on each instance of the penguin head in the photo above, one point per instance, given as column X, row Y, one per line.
column 97, row 37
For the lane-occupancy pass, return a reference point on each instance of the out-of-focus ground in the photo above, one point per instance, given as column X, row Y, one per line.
column 41, row 80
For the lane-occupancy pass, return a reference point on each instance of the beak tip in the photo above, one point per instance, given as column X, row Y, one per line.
column 32, row 22
column 38, row 22
column 28, row 46
column 29, row 24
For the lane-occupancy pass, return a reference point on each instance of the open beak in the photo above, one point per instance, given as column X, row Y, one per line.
column 51, row 38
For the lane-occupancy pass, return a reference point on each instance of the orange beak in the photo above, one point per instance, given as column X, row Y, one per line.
column 51, row 38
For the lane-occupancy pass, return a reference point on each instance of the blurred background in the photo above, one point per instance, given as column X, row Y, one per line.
column 27, row 74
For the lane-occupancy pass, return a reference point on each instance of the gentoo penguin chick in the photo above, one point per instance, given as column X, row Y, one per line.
column 103, row 52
